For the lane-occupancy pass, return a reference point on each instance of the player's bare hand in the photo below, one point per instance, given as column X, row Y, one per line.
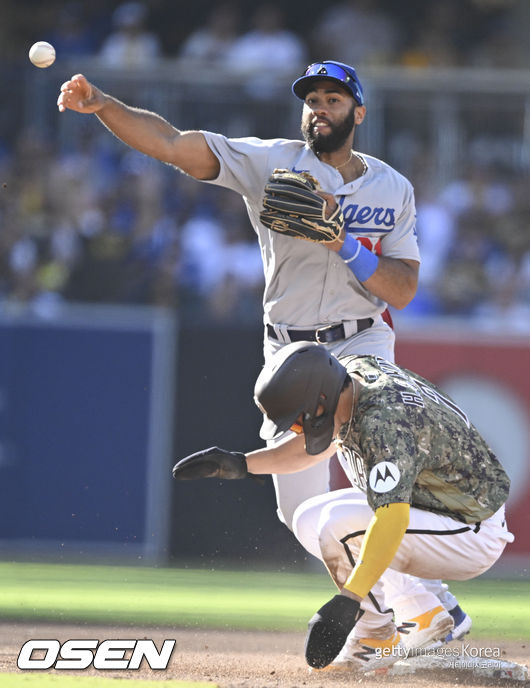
column 80, row 95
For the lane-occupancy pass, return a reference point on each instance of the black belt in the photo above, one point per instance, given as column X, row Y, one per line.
column 324, row 335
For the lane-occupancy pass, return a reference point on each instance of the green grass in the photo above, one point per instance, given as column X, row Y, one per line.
column 499, row 607
column 41, row 680
column 176, row 597
column 217, row 599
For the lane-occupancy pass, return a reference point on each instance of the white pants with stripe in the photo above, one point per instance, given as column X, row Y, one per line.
column 332, row 527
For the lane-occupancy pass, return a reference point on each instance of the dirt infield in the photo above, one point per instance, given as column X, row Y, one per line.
column 236, row 659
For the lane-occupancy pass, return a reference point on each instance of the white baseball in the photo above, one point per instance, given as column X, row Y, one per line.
column 42, row 54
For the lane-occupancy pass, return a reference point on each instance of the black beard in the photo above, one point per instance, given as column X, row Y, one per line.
column 332, row 142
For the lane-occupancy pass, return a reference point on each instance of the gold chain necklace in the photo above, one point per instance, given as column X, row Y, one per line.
column 337, row 167
column 359, row 158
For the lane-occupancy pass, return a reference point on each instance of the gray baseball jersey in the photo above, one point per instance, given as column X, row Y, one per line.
column 306, row 284
column 409, row 442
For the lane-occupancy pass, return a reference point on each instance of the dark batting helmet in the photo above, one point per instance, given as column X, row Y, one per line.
column 298, row 379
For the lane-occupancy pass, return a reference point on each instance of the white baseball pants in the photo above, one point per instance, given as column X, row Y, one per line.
column 332, row 527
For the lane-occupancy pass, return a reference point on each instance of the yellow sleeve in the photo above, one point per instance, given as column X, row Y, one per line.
column 380, row 544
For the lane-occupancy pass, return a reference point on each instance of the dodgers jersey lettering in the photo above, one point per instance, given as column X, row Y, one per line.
column 307, row 285
column 409, row 442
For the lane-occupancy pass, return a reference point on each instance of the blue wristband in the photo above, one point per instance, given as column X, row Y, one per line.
column 362, row 262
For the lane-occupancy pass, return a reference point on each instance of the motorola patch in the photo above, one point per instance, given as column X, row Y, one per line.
column 384, row 477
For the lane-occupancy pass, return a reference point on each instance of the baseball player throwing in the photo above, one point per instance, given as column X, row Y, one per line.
column 334, row 253
column 434, row 491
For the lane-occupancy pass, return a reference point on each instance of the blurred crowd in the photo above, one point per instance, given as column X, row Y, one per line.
column 475, row 247
column 102, row 223
column 242, row 35
column 105, row 224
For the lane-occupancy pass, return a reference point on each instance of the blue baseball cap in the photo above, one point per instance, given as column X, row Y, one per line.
column 342, row 73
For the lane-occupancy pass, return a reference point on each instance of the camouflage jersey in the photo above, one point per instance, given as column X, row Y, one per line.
column 409, row 442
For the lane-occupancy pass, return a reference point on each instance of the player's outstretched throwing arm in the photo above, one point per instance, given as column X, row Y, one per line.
column 145, row 131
